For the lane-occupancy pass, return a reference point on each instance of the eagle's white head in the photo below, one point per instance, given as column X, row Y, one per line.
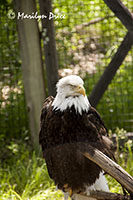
column 71, row 92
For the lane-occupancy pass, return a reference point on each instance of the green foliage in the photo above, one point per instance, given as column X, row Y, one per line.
column 13, row 116
column 115, row 106
column 24, row 175
column 124, row 157
column 13, row 113
column 87, row 49
column 69, row 35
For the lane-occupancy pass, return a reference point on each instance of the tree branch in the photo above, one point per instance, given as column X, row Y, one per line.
column 100, row 195
column 110, row 167
column 94, row 21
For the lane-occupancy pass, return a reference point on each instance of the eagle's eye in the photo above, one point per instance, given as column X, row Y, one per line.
column 72, row 86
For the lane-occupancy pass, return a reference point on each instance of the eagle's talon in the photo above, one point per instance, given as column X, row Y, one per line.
column 66, row 188
column 70, row 192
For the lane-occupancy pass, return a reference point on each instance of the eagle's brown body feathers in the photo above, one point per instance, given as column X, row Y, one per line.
column 62, row 135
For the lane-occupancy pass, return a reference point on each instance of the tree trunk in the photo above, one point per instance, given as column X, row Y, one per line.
column 32, row 68
column 48, row 34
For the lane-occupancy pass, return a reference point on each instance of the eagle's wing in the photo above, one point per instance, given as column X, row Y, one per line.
column 108, row 145
column 95, row 118
column 45, row 109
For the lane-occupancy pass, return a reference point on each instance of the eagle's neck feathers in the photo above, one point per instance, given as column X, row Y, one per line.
column 80, row 103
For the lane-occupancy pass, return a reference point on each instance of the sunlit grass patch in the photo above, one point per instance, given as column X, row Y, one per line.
column 24, row 175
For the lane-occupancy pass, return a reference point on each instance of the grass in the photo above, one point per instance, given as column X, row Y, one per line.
column 24, row 175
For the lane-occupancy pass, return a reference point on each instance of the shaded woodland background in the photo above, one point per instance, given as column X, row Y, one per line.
column 86, row 40
column 34, row 54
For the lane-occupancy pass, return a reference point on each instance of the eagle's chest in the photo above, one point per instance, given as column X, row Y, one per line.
column 74, row 126
column 70, row 127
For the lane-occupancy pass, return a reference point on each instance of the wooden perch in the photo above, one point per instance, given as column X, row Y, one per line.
column 100, row 195
column 110, row 167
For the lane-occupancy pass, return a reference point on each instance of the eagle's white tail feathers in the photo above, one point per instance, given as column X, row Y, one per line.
column 100, row 184
column 66, row 195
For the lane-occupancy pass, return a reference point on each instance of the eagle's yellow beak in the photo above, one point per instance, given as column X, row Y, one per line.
column 80, row 89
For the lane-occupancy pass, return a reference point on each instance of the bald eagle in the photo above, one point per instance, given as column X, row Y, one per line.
column 70, row 123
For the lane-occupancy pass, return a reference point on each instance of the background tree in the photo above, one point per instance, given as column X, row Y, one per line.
column 32, row 66
column 48, row 34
